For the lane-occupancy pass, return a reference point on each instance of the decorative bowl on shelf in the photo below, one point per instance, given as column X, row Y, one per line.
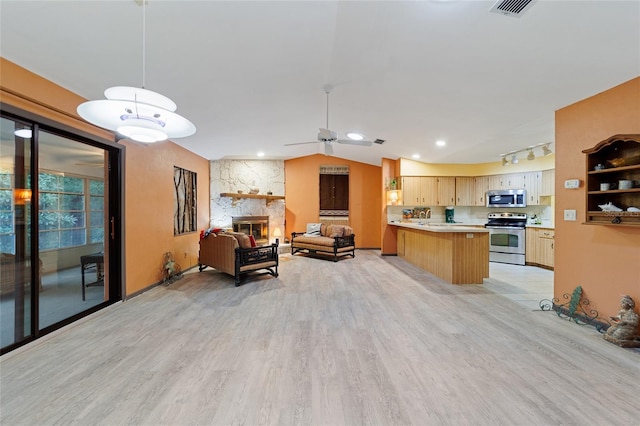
column 239, row 191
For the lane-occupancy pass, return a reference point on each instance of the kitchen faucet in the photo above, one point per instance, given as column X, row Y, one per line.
column 426, row 213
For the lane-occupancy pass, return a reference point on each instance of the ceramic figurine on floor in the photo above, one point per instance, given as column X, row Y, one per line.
column 625, row 325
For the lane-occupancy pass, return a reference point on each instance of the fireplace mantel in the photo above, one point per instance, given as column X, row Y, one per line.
column 268, row 198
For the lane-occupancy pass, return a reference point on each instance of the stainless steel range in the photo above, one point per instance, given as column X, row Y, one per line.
column 507, row 237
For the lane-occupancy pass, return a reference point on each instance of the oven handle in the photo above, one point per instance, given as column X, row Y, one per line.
column 504, row 227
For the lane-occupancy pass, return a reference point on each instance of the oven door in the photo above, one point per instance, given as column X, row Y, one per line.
column 506, row 239
column 507, row 245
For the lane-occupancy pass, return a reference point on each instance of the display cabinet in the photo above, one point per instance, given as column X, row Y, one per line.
column 613, row 181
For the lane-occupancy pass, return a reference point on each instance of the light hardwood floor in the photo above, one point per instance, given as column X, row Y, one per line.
column 370, row 340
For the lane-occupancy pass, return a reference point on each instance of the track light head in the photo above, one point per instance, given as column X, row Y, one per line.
column 531, row 155
column 504, row 161
column 514, row 159
column 545, row 150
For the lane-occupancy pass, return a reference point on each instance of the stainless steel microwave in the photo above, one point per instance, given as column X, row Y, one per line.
column 507, row 198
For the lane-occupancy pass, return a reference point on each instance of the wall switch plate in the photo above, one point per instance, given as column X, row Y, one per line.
column 572, row 184
column 569, row 215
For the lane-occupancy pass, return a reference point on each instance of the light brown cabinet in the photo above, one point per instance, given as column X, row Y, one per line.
column 465, row 191
column 616, row 162
column 446, row 191
column 481, row 188
column 540, row 247
column 532, row 184
column 471, row 191
column 548, row 182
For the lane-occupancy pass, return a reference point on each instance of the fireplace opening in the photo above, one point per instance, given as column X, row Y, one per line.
column 258, row 226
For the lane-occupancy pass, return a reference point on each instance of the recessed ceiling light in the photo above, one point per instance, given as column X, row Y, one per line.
column 441, row 143
column 416, row 155
column 355, row 136
column 261, row 154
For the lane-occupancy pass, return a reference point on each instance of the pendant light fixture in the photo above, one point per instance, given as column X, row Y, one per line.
column 137, row 113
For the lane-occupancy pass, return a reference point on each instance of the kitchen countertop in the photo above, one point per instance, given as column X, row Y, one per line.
column 439, row 227
column 542, row 225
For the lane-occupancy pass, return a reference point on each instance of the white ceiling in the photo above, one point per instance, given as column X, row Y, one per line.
column 250, row 75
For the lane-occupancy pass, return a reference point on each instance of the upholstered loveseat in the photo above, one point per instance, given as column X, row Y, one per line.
column 232, row 253
column 333, row 240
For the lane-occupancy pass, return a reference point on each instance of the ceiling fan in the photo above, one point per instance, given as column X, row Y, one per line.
column 328, row 137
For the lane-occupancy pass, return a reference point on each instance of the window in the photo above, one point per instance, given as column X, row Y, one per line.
column 7, row 237
column 334, row 190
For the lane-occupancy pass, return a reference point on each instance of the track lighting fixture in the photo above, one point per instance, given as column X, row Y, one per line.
column 530, row 156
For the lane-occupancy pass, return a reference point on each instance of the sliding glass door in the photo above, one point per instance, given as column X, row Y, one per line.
column 58, row 204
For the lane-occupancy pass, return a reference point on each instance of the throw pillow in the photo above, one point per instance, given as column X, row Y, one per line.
column 337, row 231
column 313, row 229
column 252, row 239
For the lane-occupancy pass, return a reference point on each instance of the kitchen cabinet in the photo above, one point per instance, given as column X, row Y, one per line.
column 419, row 191
column 465, row 191
column 411, row 194
column 481, row 187
column 496, row 182
column 446, row 190
column 513, row 181
column 540, row 247
column 532, row 183
column 548, row 182
column 616, row 162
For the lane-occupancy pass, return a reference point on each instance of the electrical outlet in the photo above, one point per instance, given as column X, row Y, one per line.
column 569, row 215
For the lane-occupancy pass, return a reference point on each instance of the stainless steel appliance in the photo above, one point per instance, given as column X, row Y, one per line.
column 507, row 237
column 507, row 198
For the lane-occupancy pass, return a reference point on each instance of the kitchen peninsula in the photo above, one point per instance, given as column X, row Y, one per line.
column 454, row 253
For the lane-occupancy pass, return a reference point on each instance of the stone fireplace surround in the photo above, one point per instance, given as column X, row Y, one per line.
column 234, row 175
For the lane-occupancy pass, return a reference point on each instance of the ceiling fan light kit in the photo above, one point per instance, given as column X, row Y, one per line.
column 327, row 136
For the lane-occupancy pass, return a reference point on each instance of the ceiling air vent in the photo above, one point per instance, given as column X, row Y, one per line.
column 512, row 7
column 379, row 141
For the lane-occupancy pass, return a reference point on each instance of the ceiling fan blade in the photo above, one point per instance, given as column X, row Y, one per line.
column 300, row 143
column 351, row 142
column 328, row 149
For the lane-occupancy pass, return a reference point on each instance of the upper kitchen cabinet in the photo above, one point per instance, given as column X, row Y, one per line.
column 481, row 188
column 446, row 191
column 548, row 185
column 532, row 184
column 419, row 191
column 613, row 181
column 465, row 191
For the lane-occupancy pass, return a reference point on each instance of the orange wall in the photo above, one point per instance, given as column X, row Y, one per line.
column 148, row 215
column 388, row 244
column 302, row 181
column 149, row 201
column 604, row 260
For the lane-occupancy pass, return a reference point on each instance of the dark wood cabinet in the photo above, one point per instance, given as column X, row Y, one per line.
column 613, row 176
column 334, row 192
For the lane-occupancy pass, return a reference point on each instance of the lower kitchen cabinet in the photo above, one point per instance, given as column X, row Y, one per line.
column 540, row 244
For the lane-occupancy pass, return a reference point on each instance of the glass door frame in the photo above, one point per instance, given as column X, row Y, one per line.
column 114, row 230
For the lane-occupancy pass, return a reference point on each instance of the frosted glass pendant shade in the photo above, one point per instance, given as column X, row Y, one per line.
column 139, row 114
